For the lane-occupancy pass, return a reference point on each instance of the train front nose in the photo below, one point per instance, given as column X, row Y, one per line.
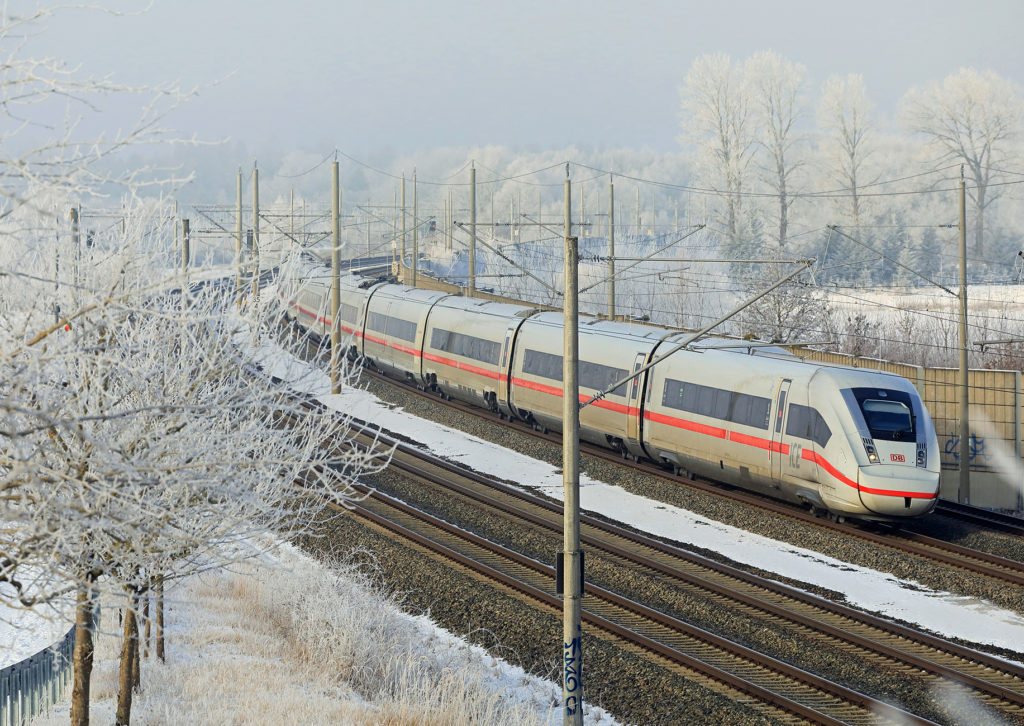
column 898, row 491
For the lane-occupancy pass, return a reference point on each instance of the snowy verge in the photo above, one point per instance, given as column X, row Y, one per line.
column 285, row 639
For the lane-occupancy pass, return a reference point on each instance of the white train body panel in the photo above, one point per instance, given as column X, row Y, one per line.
column 394, row 326
column 607, row 350
column 462, row 348
column 850, row 441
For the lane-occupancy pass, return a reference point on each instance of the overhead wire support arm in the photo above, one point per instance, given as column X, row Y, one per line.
column 512, row 262
column 605, row 258
column 694, row 231
column 804, row 264
column 835, row 228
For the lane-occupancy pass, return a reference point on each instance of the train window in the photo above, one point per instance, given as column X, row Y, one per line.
column 741, row 408
column 751, row 410
column 541, row 364
column 806, row 423
column 887, row 413
column 599, row 377
column 349, row 313
column 402, row 329
column 468, row 346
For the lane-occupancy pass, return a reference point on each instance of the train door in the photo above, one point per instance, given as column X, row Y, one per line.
column 505, row 370
column 386, row 353
column 778, row 427
column 634, row 415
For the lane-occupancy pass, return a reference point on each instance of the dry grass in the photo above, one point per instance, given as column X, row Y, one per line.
column 299, row 645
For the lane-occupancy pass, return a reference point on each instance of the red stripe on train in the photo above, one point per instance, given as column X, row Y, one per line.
column 717, row 432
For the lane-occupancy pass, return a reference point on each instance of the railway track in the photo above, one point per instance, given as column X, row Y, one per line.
column 936, row 550
column 981, row 517
column 781, row 690
column 993, row 681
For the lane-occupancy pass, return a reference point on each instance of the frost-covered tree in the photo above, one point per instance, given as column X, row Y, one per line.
column 777, row 94
column 135, row 445
column 796, row 312
column 973, row 117
column 132, row 447
column 719, row 120
column 844, row 119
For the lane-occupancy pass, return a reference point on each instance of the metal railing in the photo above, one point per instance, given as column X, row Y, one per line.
column 32, row 686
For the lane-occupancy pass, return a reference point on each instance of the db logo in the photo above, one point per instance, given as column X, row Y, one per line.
column 898, row 457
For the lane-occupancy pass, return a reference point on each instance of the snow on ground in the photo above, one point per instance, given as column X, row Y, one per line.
column 945, row 613
column 25, row 632
column 284, row 639
column 201, row 633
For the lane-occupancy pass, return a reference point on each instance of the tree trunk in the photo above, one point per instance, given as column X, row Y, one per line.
column 160, row 619
column 136, row 676
column 148, row 622
column 124, row 683
column 979, row 223
column 82, row 658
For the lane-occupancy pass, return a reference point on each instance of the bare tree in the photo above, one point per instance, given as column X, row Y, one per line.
column 796, row 312
column 718, row 119
column 777, row 93
column 844, row 116
column 972, row 117
column 134, row 446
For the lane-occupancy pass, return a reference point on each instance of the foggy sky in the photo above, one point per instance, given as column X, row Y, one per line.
column 379, row 76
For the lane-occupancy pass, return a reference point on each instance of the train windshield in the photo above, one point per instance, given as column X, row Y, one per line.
column 888, row 413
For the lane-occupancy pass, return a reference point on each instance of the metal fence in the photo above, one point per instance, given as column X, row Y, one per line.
column 35, row 684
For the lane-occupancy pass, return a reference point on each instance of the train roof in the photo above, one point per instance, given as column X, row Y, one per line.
column 488, row 307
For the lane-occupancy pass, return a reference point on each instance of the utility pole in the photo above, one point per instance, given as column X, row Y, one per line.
column 291, row 220
column 472, row 230
column 611, row 248
column 186, row 248
column 965, row 422
column 335, row 278
column 415, row 228
column 401, row 259
column 638, row 211
column 238, row 236
column 583, row 213
column 76, row 240
column 572, row 570
column 448, row 222
column 369, row 220
column 255, row 232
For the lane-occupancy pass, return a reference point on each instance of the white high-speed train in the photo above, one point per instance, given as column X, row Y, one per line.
column 847, row 442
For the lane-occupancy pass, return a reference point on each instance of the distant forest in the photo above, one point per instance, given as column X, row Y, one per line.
column 772, row 167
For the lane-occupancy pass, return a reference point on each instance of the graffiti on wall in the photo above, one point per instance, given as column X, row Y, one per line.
column 976, row 454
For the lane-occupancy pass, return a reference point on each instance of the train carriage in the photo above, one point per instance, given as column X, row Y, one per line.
column 305, row 294
column 608, row 352
column 393, row 329
column 713, row 413
column 462, row 348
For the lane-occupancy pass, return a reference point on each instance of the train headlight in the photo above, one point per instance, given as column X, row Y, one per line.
column 869, row 447
column 922, row 456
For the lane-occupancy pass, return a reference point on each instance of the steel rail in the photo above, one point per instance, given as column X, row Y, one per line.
column 787, row 671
